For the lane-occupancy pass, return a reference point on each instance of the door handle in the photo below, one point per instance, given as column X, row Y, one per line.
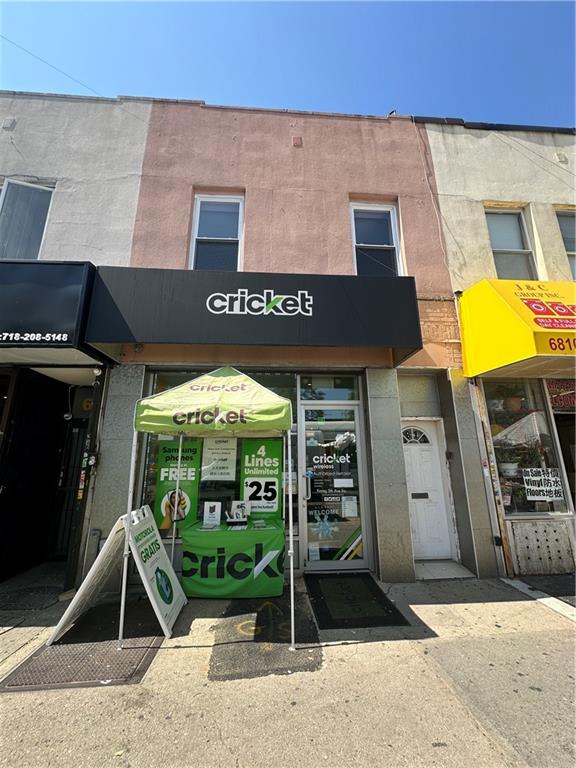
column 420, row 496
column 308, row 487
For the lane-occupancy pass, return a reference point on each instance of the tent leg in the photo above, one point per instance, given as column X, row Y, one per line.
column 124, row 580
column 177, row 499
column 291, row 542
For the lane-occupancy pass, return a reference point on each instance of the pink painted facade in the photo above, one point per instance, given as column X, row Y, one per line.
column 297, row 198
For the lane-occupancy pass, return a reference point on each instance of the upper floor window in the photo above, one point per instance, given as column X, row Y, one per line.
column 23, row 212
column 510, row 246
column 375, row 239
column 567, row 222
column 217, row 233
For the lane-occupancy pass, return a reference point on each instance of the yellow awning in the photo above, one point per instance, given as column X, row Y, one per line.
column 524, row 328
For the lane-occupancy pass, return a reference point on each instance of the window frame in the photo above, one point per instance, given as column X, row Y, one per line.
column 525, row 235
column 198, row 200
column 571, row 255
column 19, row 183
column 392, row 210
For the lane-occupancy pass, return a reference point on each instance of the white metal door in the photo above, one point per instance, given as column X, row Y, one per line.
column 429, row 514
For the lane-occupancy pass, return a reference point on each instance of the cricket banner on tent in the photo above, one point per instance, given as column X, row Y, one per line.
column 241, row 563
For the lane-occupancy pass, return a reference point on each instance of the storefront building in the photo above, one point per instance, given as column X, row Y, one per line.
column 308, row 251
column 509, row 231
column 69, row 176
column 304, row 250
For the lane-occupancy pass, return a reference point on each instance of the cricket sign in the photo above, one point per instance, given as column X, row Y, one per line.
column 247, row 563
column 155, row 569
column 267, row 302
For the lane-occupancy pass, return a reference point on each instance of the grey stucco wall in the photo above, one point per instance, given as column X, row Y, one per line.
column 418, row 395
column 92, row 149
column 109, row 495
column 476, row 169
column 390, row 493
column 468, row 487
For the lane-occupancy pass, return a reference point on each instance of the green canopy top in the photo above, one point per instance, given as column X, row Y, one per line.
column 224, row 401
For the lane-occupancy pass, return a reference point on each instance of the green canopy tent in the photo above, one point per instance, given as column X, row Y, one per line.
column 224, row 402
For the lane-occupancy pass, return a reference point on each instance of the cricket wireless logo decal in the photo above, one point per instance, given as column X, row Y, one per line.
column 266, row 303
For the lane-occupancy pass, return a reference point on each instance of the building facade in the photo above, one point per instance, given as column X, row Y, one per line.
column 312, row 251
column 506, row 198
column 70, row 173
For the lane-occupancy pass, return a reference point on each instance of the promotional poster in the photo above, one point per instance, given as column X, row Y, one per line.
column 167, row 472
column 261, row 475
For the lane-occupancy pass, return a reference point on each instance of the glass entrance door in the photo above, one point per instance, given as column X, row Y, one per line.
column 332, row 498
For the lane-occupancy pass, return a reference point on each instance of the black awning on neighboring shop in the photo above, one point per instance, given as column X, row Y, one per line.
column 43, row 311
column 154, row 306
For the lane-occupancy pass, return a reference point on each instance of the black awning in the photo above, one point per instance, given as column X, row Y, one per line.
column 154, row 306
column 43, row 311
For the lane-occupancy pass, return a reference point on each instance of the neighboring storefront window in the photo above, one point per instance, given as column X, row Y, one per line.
column 526, row 457
column 562, row 393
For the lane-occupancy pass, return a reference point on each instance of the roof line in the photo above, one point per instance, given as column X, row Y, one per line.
column 349, row 116
column 493, row 126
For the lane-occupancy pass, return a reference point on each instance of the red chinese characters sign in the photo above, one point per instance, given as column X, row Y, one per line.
column 562, row 394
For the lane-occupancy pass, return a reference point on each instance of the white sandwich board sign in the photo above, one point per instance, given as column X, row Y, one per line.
column 154, row 567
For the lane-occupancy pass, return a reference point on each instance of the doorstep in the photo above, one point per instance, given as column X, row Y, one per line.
column 441, row 569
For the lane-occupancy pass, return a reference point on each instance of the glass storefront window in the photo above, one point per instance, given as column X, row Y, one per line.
column 283, row 384
column 526, row 458
column 328, row 387
column 333, row 499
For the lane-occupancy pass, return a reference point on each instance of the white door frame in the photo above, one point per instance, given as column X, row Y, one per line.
column 367, row 561
column 437, row 429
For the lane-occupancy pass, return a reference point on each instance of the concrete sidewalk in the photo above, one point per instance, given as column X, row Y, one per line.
column 483, row 677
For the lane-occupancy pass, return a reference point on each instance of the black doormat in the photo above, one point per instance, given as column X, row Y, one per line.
column 562, row 586
column 88, row 654
column 32, row 598
column 350, row 601
column 252, row 639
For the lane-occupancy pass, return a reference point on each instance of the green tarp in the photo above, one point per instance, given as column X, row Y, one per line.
column 224, row 401
column 233, row 563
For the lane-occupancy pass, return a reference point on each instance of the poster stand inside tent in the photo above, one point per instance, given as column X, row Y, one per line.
column 224, row 402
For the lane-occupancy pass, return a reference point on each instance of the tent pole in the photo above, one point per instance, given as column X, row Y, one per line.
column 124, row 579
column 291, row 539
column 176, row 504
column 126, row 555
column 284, row 483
